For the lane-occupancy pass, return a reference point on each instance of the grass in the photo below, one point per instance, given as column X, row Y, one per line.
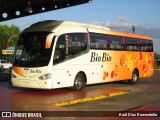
column 156, row 66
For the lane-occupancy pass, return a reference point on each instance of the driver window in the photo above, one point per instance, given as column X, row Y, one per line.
column 60, row 49
column 69, row 45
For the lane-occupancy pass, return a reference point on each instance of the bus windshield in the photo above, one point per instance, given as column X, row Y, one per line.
column 31, row 51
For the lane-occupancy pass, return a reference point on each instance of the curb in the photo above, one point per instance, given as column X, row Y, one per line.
column 99, row 97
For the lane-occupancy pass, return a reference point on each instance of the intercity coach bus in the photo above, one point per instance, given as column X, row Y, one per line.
column 56, row 54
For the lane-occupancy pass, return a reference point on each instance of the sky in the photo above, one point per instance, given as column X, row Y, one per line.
column 115, row 14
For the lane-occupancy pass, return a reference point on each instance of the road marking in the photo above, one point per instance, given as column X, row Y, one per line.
column 99, row 97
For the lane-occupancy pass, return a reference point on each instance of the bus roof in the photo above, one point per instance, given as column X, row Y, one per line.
column 127, row 34
column 53, row 25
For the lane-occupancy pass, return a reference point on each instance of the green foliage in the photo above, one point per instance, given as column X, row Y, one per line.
column 156, row 61
column 156, row 55
column 5, row 33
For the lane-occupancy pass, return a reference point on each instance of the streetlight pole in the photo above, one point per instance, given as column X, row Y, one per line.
column 133, row 28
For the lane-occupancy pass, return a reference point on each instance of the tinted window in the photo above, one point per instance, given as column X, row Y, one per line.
column 110, row 42
column 77, row 42
column 98, row 41
column 132, row 44
column 69, row 45
column 30, row 50
column 150, row 44
column 146, row 45
column 60, row 50
column 116, row 43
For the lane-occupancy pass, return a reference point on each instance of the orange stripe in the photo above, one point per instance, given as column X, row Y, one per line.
column 18, row 70
column 112, row 32
column 49, row 41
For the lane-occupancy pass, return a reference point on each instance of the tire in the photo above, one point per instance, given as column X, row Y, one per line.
column 135, row 78
column 79, row 82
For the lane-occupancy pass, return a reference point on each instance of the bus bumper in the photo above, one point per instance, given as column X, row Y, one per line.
column 37, row 84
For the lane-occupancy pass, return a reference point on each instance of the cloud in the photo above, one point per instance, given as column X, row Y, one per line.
column 124, row 24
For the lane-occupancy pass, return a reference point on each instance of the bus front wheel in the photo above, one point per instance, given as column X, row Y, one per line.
column 134, row 79
column 79, row 82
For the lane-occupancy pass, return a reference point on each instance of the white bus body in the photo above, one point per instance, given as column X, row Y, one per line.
column 67, row 60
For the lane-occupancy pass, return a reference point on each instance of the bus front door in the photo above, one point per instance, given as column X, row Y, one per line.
column 59, row 75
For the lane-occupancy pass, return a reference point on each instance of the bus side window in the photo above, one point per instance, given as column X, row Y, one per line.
column 132, row 44
column 150, row 45
column 116, row 43
column 99, row 41
column 144, row 45
column 78, row 42
column 60, row 50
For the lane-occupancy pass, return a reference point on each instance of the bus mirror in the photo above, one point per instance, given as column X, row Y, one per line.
column 49, row 41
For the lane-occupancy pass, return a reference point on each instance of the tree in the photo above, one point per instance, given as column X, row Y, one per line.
column 5, row 33
column 156, row 55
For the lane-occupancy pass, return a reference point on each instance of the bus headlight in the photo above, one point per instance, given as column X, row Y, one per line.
column 45, row 77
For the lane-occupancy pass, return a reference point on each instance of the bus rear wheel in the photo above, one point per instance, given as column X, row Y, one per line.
column 79, row 82
column 134, row 79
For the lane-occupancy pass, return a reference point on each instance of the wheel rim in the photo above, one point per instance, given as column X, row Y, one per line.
column 78, row 83
column 135, row 77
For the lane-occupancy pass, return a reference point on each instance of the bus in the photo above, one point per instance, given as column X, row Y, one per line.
column 55, row 54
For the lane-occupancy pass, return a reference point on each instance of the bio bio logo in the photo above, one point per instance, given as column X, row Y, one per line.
column 95, row 57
